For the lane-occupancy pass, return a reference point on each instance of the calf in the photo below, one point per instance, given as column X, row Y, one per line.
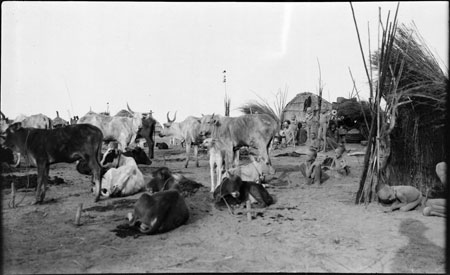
column 139, row 155
column 160, row 212
column 163, row 179
column 68, row 144
column 123, row 177
column 217, row 156
column 235, row 191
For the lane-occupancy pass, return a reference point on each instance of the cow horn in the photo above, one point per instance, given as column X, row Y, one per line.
column 174, row 117
column 129, row 109
column 2, row 116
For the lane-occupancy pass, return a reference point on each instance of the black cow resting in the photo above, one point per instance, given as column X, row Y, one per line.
column 137, row 153
column 163, row 179
column 160, row 212
column 235, row 191
column 44, row 147
column 162, row 146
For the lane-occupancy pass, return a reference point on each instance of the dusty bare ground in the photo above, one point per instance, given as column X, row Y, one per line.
column 308, row 229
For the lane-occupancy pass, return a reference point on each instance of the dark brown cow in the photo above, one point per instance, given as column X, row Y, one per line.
column 255, row 130
column 160, row 212
column 44, row 147
column 147, row 130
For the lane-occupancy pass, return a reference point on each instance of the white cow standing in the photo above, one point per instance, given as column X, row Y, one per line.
column 123, row 177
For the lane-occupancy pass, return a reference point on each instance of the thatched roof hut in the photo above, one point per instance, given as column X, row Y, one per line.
column 297, row 105
column 58, row 121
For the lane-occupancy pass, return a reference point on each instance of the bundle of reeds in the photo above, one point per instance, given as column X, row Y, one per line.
column 264, row 107
column 406, row 138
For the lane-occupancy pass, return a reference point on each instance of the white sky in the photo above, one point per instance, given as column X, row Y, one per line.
column 70, row 56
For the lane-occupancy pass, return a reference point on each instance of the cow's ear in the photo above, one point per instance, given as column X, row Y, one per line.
column 199, row 120
column 15, row 127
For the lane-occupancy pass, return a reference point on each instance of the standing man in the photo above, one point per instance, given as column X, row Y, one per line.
column 323, row 126
column 309, row 120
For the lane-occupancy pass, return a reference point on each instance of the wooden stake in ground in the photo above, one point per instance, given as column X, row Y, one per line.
column 248, row 204
column 78, row 215
column 13, row 195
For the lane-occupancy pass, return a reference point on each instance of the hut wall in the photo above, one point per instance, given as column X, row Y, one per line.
column 417, row 145
column 296, row 106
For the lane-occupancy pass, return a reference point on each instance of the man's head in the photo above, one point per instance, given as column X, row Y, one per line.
column 339, row 151
column 311, row 154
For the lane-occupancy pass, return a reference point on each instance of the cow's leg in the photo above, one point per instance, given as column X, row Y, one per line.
column 42, row 178
column 188, row 151
column 219, row 170
column 236, row 158
column 196, row 155
column 94, row 165
column 211, row 169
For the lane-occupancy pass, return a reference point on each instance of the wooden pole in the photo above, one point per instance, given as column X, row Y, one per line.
column 249, row 209
column 13, row 195
column 78, row 214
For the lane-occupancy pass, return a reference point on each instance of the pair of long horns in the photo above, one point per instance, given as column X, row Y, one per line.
column 174, row 117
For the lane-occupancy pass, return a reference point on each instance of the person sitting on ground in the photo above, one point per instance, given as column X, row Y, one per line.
column 332, row 137
column 339, row 163
column 312, row 169
column 436, row 207
column 342, row 132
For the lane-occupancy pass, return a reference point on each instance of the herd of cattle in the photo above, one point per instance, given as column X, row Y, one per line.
column 115, row 172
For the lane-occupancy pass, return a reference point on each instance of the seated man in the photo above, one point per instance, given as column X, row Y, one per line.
column 312, row 169
column 339, row 164
column 436, row 207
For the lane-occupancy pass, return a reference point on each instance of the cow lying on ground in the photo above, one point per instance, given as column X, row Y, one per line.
column 160, row 212
column 162, row 146
column 232, row 190
column 123, row 177
column 44, row 147
column 136, row 153
column 402, row 197
column 436, row 207
column 163, row 179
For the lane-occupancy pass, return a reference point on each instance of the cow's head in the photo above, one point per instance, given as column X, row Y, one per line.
column 111, row 156
column 230, row 185
column 168, row 130
column 11, row 136
column 137, row 118
column 208, row 123
column 140, row 156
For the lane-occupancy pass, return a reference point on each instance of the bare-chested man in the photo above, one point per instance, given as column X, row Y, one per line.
column 312, row 169
column 323, row 126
